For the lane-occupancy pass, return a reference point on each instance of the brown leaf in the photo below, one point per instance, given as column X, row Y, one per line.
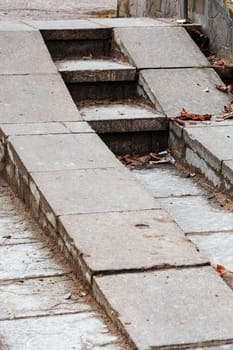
column 222, row 88
column 185, row 116
column 221, row 270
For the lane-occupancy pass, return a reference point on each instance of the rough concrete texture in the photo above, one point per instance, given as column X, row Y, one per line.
column 56, row 9
column 170, row 308
column 123, row 118
column 21, row 97
column 33, row 129
column 92, row 191
column 15, row 26
column 129, row 22
column 130, row 240
column 213, row 144
column 197, row 214
column 79, row 331
column 217, row 246
column 30, row 260
column 23, row 53
column 63, row 152
column 171, row 47
column 78, row 127
column 165, row 181
column 45, row 296
column 14, row 231
column 174, row 89
column 95, row 70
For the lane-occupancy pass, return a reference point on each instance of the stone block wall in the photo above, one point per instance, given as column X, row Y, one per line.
column 215, row 17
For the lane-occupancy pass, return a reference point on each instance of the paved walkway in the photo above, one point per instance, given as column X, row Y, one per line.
column 43, row 306
column 149, row 277
column 56, row 9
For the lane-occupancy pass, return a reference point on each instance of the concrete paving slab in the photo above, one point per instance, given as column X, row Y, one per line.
column 60, row 24
column 123, row 118
column 33, row 129
column 40, row 296
column 14, row 231
column 197, row 214
column 129, row 22
column 57, row 9
column 78, row 127
column 171, row 308
column 15, row 26
column 92, row 191
column 24, row 53
column 171, row 47
column 218, row 247
column 166, row 181
column 129, row 241
column 95, row 70
column 78, row 331
column 213, row 144
column 21, row 100
column 30, row 260
column 174, row 89
column 62, row 152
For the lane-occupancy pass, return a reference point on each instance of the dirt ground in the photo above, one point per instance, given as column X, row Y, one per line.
column 56, row 9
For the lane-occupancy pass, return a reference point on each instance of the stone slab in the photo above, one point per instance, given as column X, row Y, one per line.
column 130, row 240
column 171, row 47
column 74, row 29
column 33, row 129
column 24, row 53
column 129, row 22
column 21, row 100
column 78, row 331
column 123, row 118
column 166, row 181
column 62, row 152
column 92, row 191
column 15, row 26
column 13, row 230
column 30, row 260
column 175, row 89
column 40, row 296
column 213, row 144
column 197, row 214
column 218, row 247
column 78, row 127
column 171, row 308
column 95, row 70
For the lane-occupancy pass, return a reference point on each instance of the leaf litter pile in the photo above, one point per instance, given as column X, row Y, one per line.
column 146, row 161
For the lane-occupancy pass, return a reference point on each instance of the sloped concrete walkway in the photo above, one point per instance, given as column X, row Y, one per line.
column 151, row 280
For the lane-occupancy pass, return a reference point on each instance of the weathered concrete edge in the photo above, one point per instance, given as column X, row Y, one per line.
column 191, row 151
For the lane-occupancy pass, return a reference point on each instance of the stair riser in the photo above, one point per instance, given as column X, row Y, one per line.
column 63, row 49
column 112, row 91
column 99, row 76
column 136, row 142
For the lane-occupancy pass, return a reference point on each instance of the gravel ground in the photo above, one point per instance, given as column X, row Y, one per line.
column 56, row 9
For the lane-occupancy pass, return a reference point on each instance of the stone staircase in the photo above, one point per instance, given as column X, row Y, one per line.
column 149, row 277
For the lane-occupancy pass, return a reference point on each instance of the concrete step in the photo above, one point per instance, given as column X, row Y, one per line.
column 121, row 118
column 95, row 70
column 75, row 38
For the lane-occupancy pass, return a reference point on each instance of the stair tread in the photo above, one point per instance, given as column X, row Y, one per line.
column 118, row 111
column 91, row 65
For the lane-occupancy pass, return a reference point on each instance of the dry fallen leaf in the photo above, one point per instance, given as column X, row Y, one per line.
column 221, row 270
column 222, row 88
column 185, row 116
column 134, row 161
